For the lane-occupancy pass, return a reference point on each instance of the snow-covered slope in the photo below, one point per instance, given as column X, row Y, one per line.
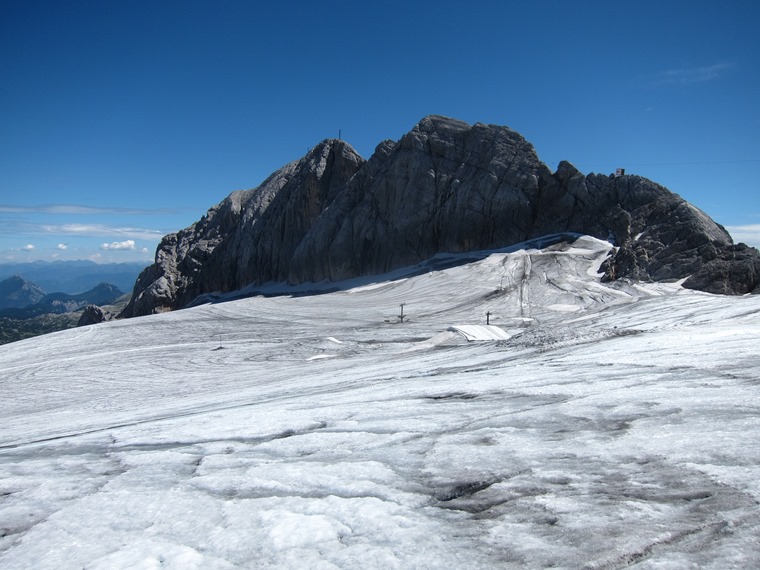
column 616, row 426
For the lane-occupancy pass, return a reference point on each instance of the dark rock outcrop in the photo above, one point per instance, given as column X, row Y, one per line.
column 734, row 270
column 93, row 315
column 445, row 186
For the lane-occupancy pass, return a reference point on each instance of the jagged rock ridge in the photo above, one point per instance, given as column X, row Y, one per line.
column 444, row 186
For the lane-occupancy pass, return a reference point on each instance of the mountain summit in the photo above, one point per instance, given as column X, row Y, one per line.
column 17, row 292
column 446, row 186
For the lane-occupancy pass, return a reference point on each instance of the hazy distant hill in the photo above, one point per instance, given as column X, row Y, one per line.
column 74, row 277
column 17, row 292
column 57, row 311
column 27, row 311
column 59, row 303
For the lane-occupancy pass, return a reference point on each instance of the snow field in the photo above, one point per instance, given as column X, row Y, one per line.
column 319, row 432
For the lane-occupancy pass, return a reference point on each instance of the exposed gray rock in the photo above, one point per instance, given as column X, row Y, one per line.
column 735, row 270
column 93, row 315
column 249, row 236
column 445, row 186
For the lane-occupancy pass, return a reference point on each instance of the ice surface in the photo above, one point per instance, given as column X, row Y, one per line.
column 320, row 432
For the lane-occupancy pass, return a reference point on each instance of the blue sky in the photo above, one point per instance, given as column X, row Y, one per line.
column 124, row 121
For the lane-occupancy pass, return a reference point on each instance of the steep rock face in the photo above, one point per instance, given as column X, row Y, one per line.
column 185, row 264
column 248, row 237
column 267, row 242
column 449, row 186
column 445, row 186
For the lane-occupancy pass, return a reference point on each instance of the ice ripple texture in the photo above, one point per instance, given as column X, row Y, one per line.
column 617, row 427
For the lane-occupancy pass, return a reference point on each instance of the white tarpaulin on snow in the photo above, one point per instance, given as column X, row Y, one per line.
column 480, row 332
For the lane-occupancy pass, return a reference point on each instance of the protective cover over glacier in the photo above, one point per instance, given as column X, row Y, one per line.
column 612, row 425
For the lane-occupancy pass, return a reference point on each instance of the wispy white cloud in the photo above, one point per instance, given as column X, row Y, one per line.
column 63, row 246
column 119, row 245
column 13, row 227
column 689, row 75
column 749, row 234
column 101, row 230
column 28, row 247
column 69, row 209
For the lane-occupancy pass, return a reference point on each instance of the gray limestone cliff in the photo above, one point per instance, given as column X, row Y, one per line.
column 249, row 237
column 446, row 186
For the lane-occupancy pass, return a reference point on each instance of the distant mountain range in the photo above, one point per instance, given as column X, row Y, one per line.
column 101, row 294
column 446, row 186
column 74, row 277
column 26, row 311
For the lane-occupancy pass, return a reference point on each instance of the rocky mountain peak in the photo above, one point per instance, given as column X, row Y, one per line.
column 446, row 186
column 250, row 236
column 17, row 292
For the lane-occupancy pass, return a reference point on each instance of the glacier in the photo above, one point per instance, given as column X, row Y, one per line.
column 613, row 425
